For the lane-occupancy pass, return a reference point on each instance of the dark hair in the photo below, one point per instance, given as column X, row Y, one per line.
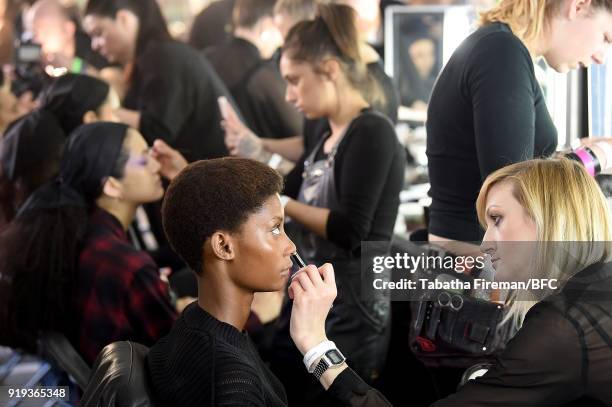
column 213, row 195
column 152, row 25
column 247, row 13
column 39, row 249
column 70, row 96
column 30, row 155
column 333, row 33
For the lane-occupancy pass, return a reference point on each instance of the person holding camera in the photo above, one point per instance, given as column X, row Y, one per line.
column 63, row 42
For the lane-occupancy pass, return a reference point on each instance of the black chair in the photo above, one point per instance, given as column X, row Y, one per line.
column 119, row 378
column 55, row 348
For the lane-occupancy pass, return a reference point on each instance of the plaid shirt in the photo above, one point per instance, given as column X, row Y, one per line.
column 120, row 293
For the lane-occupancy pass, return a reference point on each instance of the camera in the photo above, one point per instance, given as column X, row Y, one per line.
column 29, row 72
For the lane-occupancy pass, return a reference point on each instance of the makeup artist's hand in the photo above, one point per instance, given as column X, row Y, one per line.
column 239, row 139
column 171, row 161
column 313, row 292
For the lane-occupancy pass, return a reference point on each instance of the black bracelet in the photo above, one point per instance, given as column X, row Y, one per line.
column 595, row 159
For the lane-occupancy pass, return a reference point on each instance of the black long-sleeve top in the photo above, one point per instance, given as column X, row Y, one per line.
column 369, row 175
column 486, row 111
column 175, row 90
column 206, row 362
column 257, row 87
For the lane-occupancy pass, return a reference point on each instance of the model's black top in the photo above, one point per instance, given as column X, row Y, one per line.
column 257, row 87
column 175, row 89
column 486, row 111
column 369, row 175
column 206, row 362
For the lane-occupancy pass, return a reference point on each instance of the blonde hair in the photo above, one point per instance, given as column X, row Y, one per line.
column 566, row 205
column 528, row 18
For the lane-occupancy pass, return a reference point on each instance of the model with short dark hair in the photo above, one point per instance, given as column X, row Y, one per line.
column 224, row 217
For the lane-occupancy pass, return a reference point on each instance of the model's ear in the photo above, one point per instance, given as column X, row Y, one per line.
column 113, row 188
column 222, row 245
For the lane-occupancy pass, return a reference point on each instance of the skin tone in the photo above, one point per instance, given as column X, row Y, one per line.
column 318, row 94
column 313, row 292
column 237, row 265
column 368, row 15
column 241, row 141
column 256, row 258
column 509, row 227
column 141, row 182
column 284, row 23
column 115, row 39
column 578, row 36
column 53, row 31
column 422, row 54
column 264, row 35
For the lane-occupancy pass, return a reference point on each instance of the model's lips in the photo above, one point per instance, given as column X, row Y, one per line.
column 287, row 270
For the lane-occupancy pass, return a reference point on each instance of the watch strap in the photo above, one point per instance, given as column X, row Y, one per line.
column 321, row 368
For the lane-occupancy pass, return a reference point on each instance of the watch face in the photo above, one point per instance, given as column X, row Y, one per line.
column 334, row 356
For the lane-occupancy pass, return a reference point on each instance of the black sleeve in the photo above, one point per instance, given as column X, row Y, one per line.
column 166, row 95
column 501, row 86
column 363, row 169
column 542, row 365
column 351, row 390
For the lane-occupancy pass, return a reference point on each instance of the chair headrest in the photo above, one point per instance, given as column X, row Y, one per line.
column 119, row 378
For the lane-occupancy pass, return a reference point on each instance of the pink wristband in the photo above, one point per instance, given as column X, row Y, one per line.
column 587, row 161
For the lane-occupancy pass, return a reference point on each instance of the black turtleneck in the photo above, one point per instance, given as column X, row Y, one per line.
column 206, row 362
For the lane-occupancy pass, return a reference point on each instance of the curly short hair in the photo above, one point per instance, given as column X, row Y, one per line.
column 212, row 195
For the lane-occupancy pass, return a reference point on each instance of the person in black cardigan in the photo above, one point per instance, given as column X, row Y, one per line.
column 225, row 219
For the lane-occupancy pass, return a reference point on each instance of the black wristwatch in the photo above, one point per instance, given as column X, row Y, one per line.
column 332, row 357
